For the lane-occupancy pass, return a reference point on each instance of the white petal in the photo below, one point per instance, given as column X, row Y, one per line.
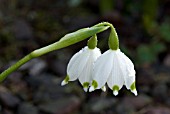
column 103, row 88
column 86, row 74
column 129, row 64
column 74, row 59
column 84, row 59
column 85, row 89
column 63, row 83
column 121, row 61
column 129, row 81
column 91, row 89
column 135, row 92
column 96, row 53
column 77, row 63
column 71, row 70
column 116, row 76
column 102, row 68
column 127, row 70
column 115, row 92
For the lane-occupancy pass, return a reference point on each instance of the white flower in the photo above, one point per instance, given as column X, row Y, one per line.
column 81, row 66
column 115, row 68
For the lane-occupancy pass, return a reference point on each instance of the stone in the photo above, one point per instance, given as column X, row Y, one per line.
column 130, row 104
column 167, row 61
column 99, row 104
column 35, row 66
column 137, row 102
column 160, row 92
column 157, row 110
column 7, row 111
column 59, row 65
column 65, row 105
column 7, row 98
column 22, row 29
column 27, row 108
column 122, row 108
column 45, row 87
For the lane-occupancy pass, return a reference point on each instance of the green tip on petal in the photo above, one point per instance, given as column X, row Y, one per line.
column 103, row 88
column 133, row 87
column 85, row 86
column 115, row 87
column 92, row 42
column 65, row 81
column 94, row 84
column 115, row 90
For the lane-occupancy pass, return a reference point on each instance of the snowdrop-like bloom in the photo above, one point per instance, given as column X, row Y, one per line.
column 81, row 66
column 116, row 69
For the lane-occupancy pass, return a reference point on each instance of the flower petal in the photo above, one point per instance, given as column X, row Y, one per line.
column 135, row 92
column 116, row 76
column 103, row 88
column 129, row 64
column 127, row 70
column 102, row 69
column 129, row 73
column 77, row 63
column 115, row 93
column 86, row 74
column 65, row 81
column 96, row 53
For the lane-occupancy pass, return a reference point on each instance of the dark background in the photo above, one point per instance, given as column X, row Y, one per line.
column 143, row 27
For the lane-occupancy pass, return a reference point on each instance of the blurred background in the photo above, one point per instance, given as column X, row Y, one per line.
column 143, row 27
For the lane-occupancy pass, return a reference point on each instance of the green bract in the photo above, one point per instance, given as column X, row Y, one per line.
column 113, row 40
column 92, row 42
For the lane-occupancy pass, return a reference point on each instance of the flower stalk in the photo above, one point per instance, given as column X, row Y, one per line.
column 65, row 41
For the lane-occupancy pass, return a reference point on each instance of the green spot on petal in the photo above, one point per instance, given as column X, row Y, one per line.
column 133, row 87
column 66, row 78
column 94, row 84
column 86, row 84
column 115, row 87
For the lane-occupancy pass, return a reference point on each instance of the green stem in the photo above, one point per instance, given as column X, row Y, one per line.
column 67, row 40
column 14, row 67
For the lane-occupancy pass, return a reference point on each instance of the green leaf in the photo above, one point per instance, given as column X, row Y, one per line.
column 106, row 6
column 157, row 47
column 150, row 9
column 145, row 55
column 165, row 31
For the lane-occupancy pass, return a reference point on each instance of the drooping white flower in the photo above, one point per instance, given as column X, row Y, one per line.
column 116, row 69
column 81, row 66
